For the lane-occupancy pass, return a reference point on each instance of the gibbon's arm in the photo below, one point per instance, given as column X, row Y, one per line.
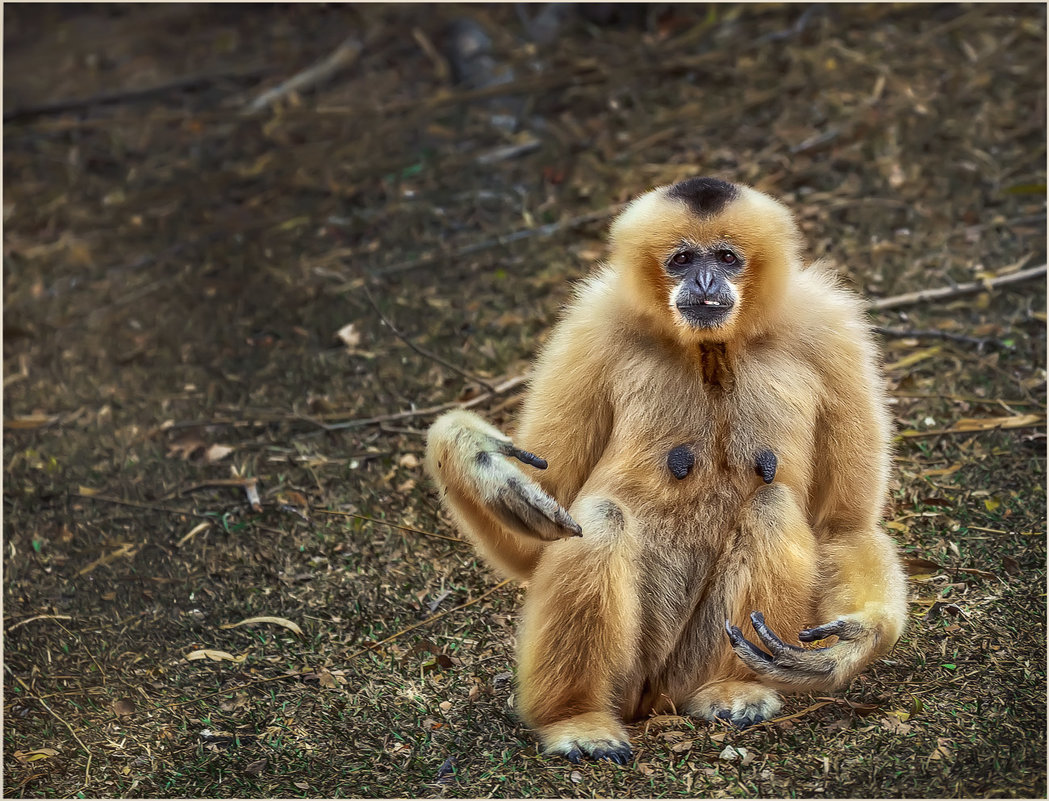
column 566, row 418
column 508, row 511
column 864, row 600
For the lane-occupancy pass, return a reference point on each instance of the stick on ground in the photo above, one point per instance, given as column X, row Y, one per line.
column 343, row 56
column 939, row 293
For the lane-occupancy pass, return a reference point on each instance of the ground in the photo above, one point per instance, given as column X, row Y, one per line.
column 207, row 420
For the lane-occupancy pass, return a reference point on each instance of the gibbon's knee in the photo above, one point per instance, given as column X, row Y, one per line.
column 602, row 520
column 772, row 510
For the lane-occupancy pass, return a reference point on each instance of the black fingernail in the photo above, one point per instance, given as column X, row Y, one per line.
column 528, row 458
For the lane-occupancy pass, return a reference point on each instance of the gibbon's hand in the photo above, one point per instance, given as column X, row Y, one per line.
column 800, row 666
column 518, row 501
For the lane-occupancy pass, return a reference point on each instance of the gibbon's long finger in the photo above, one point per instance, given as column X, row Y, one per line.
column 791, row 666
column 843, row 629
column 769, row 638
column 524, row 507
column 527, row 457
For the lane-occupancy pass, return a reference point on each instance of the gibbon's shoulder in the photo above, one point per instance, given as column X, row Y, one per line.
column 829, row 317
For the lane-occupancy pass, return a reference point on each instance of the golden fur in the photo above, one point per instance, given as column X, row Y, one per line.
column 629, row 618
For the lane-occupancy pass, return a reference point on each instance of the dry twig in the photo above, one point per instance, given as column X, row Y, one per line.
column 498, row 389
column 387, row 523
column 423, row 351
column 503, row 240
column 59, row 718
column 939, row 293
column 343, row 56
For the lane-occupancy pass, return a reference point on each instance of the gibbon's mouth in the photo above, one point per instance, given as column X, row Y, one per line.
column 705, row 313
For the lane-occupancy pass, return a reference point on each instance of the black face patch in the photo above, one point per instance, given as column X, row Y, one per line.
column 705, row 196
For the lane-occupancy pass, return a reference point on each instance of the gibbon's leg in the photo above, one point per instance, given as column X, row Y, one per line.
column 861, row 574
column 578, row 633
column 507, row 515
column 771, row 565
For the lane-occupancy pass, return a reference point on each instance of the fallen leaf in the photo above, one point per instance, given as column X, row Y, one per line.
column 214, row 656
column 30, row 421
column 326, row 679
column 916, row 566
column 35, row 755
column 255, row 768
column 216, row 453
column 913, row 358
column 942, row 749
column 684, row 745
column 732, row 753
column 409, row 460
column 895, row 725
column 123, row 707
column 278, row 621
column 575, row 776
column 349, row 335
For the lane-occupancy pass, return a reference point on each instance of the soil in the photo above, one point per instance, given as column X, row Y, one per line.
column 225, row 332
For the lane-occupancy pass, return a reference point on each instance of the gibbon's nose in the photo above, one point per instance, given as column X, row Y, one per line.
column 704, row 281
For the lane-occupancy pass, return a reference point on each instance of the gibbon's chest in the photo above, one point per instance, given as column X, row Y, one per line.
column 683, row 428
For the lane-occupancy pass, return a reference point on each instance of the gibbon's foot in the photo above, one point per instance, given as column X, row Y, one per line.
column 593, row 735
column 741, row 703
column 618, row 752
column 765, row 465
column 791, row 664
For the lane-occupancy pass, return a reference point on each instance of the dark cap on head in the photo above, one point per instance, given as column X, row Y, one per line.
column 705, row 196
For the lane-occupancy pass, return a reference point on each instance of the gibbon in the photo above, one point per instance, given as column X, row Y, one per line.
column 713, row 453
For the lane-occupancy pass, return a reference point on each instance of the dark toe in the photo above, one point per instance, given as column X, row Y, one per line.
column 574, row 756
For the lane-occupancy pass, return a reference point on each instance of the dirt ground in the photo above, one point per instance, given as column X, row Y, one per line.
column 225, row 334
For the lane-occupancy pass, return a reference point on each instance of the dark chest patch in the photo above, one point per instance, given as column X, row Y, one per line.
column 765, row 465
column 680, row 461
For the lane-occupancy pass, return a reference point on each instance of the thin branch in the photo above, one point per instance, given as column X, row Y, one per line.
column 342, row 57
column 428, row 620
column 38, row 617
column 130, row 95
column 499, row 389
column 388, row 523
column 139, row 505
column 421, row 350
column 980, row 342
column 502, row 240
column 59, row 718
column 940, row 293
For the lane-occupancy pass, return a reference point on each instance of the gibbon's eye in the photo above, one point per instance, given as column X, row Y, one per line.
column 727, row 257
column 682, row 258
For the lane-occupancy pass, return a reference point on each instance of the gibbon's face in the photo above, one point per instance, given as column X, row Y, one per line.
column 706, row 256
